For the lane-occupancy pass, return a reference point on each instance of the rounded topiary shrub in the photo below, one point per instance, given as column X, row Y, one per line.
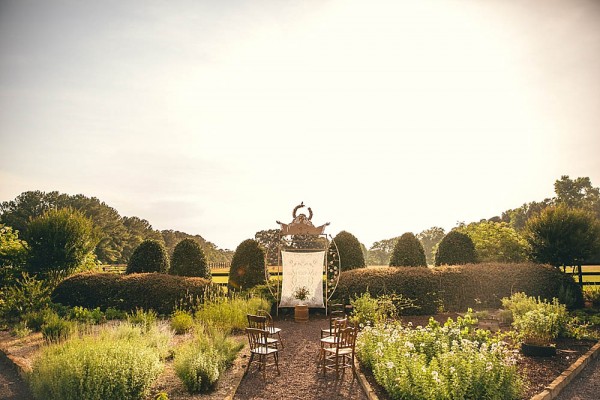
column 408, row 252
column 189, row 260
column 455, row 248
column 159, row 292
column 149, row 256
column 350, row 251
column 247, row 266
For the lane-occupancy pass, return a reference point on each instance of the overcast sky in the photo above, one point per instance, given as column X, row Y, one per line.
column 218, row 117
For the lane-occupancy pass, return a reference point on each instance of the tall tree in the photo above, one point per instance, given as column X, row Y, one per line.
column 350, row 251
column 496, row 241
column 578, row 193
column 380, row 252
column 138, row 230
column 429, row 238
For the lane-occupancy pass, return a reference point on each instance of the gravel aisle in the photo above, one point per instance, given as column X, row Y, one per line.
column 586, row 386
column 12, row 386
column 299, row 378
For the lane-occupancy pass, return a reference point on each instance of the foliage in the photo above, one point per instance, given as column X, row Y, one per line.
column 59, row 241
column 247, row 266
column 138, row 231
column 145, row 319
column 158, row 292
column 210, row 250
column 381, row 251
column 350, row 250
column 578, row 193
column 229, row 313
column 455, row 248
column 21, row 330
column 27, row 294
column 430, row 238
column 301, row 293
column 149, row 256
column 269, row 240
column 36, row 319
column 408, row 252
column 86, row 316
column 199, row 364
column 561, row 236
column 496, row 242
column 181, row 322
column 56, row 329
column 13, row 255
column 517, row 218
column 189, row 260
column 456, row 288
column 439, row 362
column 117, row 364
column 369, row 311
column 592, row 293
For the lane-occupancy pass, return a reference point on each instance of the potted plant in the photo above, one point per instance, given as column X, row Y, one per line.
column 301, row 309
column 538, row 329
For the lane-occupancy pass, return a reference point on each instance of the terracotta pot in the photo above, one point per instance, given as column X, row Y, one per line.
column 301, row 313
column 537, row 350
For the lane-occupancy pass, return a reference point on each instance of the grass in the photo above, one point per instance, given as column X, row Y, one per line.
column 587, row 268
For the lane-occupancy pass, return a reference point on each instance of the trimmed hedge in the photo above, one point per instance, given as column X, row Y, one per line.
column 456, row 248
column 457, row 288
column 247, row 266
column 408, row 252
column 149, row 256
column 156, row 291
column 189, row 260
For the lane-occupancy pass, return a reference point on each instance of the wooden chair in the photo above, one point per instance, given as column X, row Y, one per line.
column 257, row 339
column 341, row 355
column 331, row 340
column 260, row 322
column 270, row 326
column 333, row 315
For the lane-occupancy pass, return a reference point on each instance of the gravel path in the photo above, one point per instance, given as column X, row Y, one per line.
column 299, row 378
column 12, row 386
column 586, row 386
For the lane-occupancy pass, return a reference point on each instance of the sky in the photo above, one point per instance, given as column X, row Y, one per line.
column 217, row 118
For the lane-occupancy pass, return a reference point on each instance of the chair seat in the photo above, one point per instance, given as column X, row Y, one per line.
column 328, row 341
column 263, row 350
column 272, row 330
column 341, row 352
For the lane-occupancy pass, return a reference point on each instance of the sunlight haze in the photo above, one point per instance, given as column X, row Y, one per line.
column 218, row 118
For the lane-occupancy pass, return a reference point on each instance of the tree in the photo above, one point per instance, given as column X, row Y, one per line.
column 408, row 252
column 138, row 230
column 455, row 248
column 430, row 238
column 189, row 260
column 496, row 241
column 517, row 218
column 561, row 236
column 13, row 255
column 149, row 256
column 247, row 266
column 270, row 240
column 380, row 252
column 578, row 193
column 350, row 250
column 60, row 241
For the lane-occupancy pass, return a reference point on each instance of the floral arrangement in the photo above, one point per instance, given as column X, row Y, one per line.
column 301, row 293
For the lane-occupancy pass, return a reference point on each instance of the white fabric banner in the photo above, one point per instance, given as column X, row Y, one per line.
column 302, row 269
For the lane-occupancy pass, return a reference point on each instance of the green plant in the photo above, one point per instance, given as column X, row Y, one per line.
column 350, row 251
column 452, row 361
column 36, row 319
column 247, row 266
column 86, row 316
column 27, row 294
column 367, row 310
column 229, row 313
column 106, row 366
column 149, row 256
column 408, row 252
column 60, row 241
column 455, row 248
column 21, row 329
column 162, row 396
column 56, row 329
column 143, row 318
column 113, row 313
column 13, row 255
column 199, row 364
column 496, row 241
column 592, row 294
column 301, row 293
column 189, row 260
column 181, row 321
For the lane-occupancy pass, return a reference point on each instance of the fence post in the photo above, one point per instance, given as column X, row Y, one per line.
column 580, row 275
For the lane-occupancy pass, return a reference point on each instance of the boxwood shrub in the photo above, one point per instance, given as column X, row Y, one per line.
column 156, row 291
column 457, row 288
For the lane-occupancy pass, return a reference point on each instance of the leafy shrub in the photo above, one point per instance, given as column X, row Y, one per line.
column 496, row 241
column 592, row 293
column 435, row 362
column 181, row 321
column 158, row 292
column 455, row 248
column 56, row 329
column 59, row 241
column 230, row 313
column 199, row 364
column 91, row 368
column 142, row 318
column 112, row 313
column 13, row 255
column 21, row 330
column 457, row 288
column 36, row 319
column 189, row 260
column 149, row 256
column 27, row 294
column 408, row 252
column 350, row 251
column 86, row 316
column 247, row 266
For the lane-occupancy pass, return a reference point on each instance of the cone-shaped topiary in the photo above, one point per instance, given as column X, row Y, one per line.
column 408, row 252
column 189, row 260
column 149, row 256
column 350, row 250
column 455, row 248
column 247, row 266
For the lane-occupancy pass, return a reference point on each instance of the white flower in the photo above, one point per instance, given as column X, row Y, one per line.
column 390, row 364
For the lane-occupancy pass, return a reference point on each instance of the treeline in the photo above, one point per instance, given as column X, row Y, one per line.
column 118, row 235
column 500, row 238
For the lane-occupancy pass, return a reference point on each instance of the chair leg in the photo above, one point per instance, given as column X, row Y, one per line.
column 280, row 341
column 276, row 356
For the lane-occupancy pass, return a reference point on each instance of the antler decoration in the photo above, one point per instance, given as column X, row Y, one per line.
column 309, row 214
column 298, row 207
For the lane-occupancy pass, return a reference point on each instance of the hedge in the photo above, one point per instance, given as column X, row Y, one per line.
column 457, row 288
column 160, row 292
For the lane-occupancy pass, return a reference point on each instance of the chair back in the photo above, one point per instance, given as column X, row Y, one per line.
column 257, row 321
column 264, row 313
column 337, row 325
column 256, row 338
column 336, row 307
column 346, row 338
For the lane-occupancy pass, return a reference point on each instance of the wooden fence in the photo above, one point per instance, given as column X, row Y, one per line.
column 585, row 275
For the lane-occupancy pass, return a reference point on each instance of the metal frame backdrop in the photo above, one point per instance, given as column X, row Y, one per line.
column 301, row 235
